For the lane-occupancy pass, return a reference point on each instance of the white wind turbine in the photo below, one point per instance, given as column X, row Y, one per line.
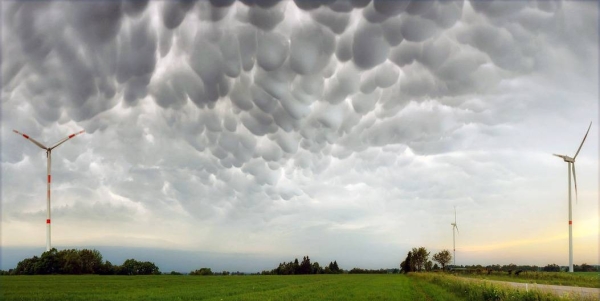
column 454, row 226
column 49, row 156
column 571, row 166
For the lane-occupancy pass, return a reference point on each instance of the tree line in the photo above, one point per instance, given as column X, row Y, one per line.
column 305, row 267
column 417, row 260
column 77, row 262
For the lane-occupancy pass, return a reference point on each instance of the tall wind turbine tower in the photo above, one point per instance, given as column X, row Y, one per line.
column 454, row 226
column 49, row 156
column 571, row 166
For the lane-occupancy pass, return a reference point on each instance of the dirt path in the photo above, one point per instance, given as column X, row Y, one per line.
column 560, row 290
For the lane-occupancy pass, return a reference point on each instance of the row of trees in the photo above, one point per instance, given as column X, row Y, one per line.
column 305, row 267
column 367, row 271
column 72, row 261
column 417, row 260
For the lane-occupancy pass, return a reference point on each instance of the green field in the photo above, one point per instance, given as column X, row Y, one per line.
column 581, row 279
column 308, row 287
column 415, row 286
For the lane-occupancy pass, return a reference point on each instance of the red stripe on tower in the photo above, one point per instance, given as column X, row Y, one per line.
column 47, row 221
column 49, row 178
column 570, row 222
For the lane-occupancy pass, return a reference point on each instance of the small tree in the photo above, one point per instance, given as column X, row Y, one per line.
column 443, row 258
column 407, row 266
column 428, row 266
column 419, row 258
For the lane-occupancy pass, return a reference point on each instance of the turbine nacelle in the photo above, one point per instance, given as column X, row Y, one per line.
column 566, row 158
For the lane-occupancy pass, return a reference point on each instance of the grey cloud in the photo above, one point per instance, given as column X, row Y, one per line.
column 499, row 44
column 417, row 29
column 173, row 12
column 335, row 21
column 311, row 48
column 497, row 9
column 390, row 8
column 272, row 50
column 267, row 18
column 256, row 114
column 97, row 22
column 369, row 47
column 134, row 8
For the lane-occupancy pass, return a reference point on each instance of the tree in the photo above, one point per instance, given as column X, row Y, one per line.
column 28, row 266
column 50, row 263
column 552, row 268
column 91, row 261
column 71, row 261
column 316, row 268
column 443, row 258
column 436, row 267
column 202, row 272
column 419, row 257
column 305, row 266
column 428, row 265
column 334, row 268
column 407, row 266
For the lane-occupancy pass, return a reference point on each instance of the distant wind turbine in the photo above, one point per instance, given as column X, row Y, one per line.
column 454, row 226
column 49, row 156
column 571, row 166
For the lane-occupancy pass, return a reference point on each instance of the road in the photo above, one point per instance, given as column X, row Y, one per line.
column 560, row 290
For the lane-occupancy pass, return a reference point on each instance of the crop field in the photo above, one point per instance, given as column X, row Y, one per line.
column 166, row 287
column 582, row 279
column 421, row 286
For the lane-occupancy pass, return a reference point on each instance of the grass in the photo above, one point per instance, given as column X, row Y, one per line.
column 415, row 286
column 581, row 279
column 166, row 287
column 486, row 291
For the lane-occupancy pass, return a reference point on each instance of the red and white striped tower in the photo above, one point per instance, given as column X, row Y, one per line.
column 49, row 158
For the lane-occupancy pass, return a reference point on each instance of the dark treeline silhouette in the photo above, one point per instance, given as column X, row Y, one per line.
column 417, row 260
column 531, row 268
column 367, row 271
column 304, row 267
column 77, row 262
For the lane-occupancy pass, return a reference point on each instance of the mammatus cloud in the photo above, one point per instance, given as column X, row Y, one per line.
column 272, row 119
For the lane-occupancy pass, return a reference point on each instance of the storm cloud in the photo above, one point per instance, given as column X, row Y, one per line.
column 283, row 125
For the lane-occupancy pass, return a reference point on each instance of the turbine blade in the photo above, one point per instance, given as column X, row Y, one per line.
column 582, row 141
column 31, row 139
column 64, row 140
column 455, row 226
column 574, row 180
column 560, row 156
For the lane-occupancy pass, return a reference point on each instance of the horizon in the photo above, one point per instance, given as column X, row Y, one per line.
column 283, row 130
column 186, row 261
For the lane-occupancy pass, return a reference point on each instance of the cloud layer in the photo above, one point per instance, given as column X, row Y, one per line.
column 266, row 126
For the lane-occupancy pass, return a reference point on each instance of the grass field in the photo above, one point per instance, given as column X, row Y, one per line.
column 415, row 286
column 309, row 287
column 582, row 279
column 470, row 290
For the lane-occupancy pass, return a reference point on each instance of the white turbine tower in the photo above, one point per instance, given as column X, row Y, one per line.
column 454, row 226
column 49, row 156
column 571, row 166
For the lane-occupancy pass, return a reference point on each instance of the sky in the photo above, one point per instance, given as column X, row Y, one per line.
column 342, row 130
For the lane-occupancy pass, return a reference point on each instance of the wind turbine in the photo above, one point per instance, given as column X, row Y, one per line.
column 454, row 226
column 571, row 166
column 49, row 156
